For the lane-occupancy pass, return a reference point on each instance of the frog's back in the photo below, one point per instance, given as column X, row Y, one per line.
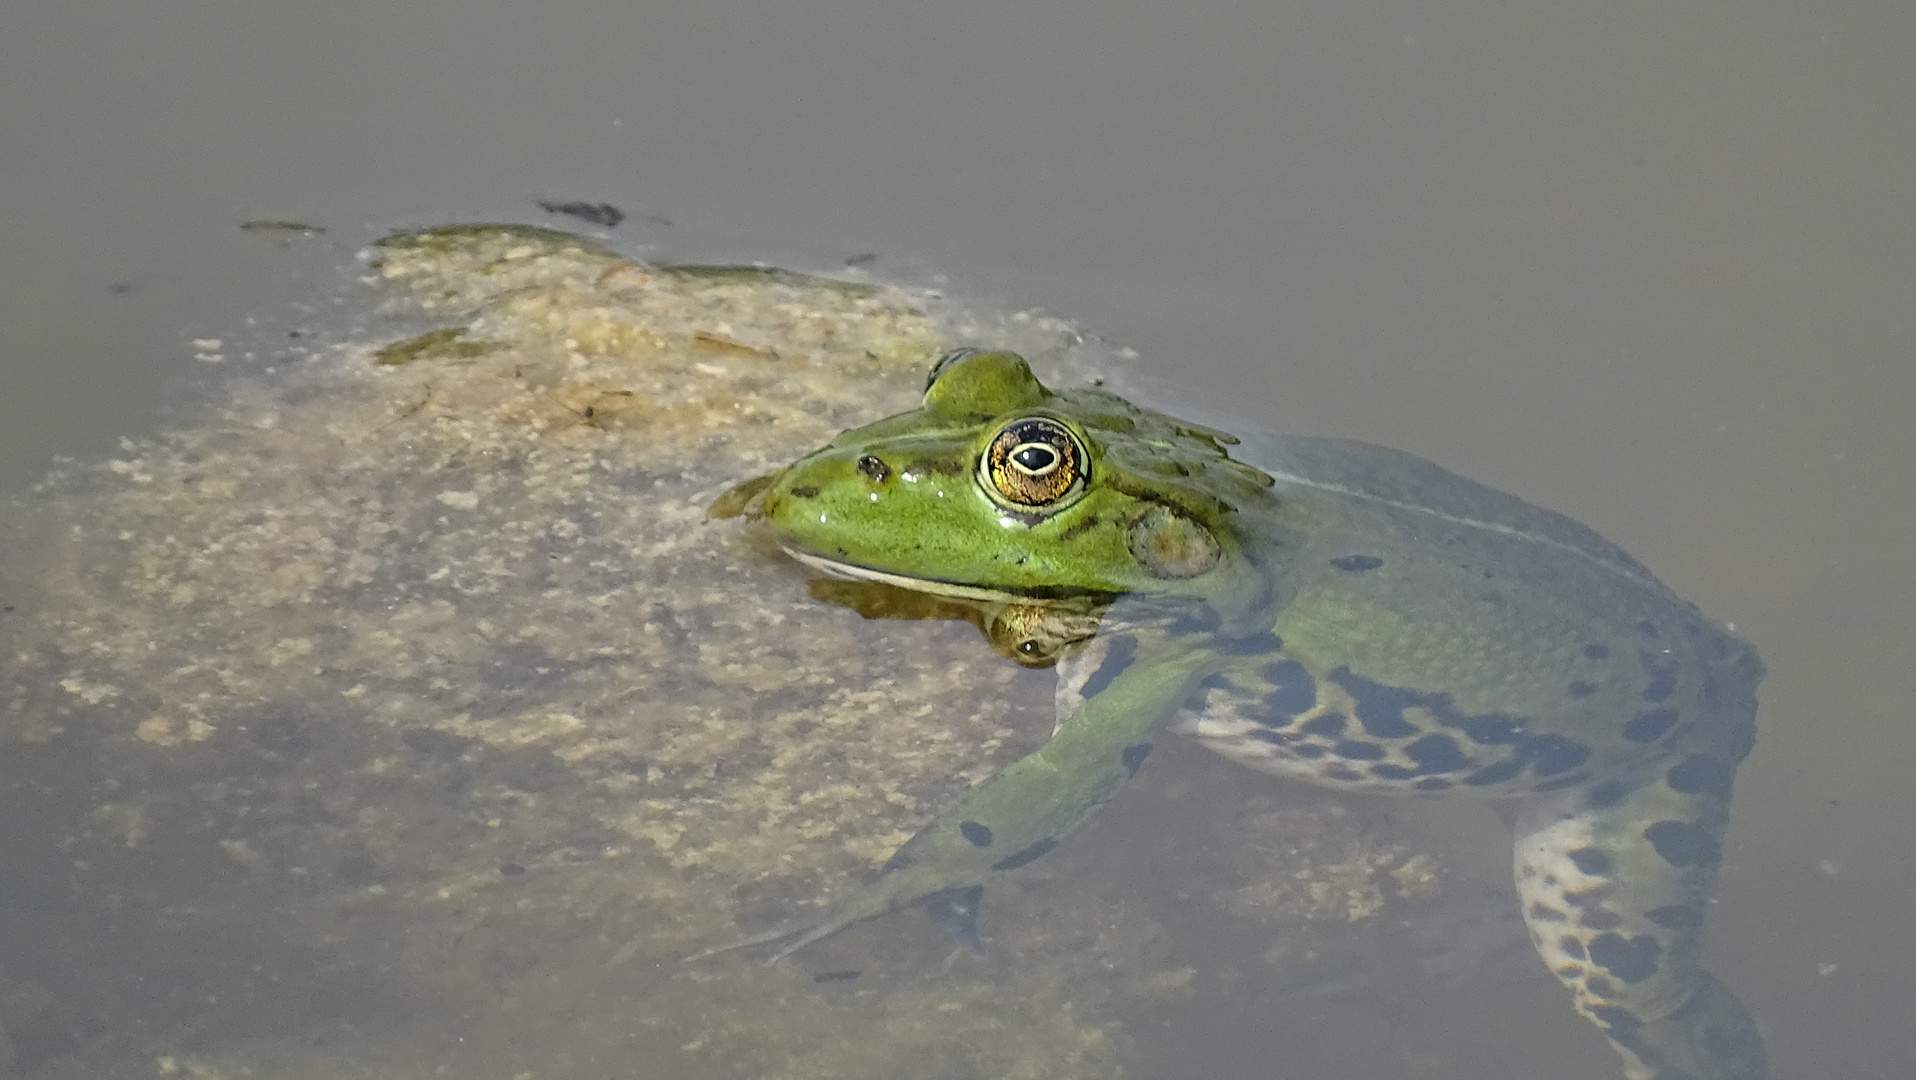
column 1420, row 493
column 1510, row 538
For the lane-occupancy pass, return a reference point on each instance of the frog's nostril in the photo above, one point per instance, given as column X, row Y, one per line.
column 873, row 469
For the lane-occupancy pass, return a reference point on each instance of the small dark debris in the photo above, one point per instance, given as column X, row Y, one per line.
column 602, row 213
column 1357, row 564
column 511, row 869
column 845, row 975
column 276, row 225
column 862, row 259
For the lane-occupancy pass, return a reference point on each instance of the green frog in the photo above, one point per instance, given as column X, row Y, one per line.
column 1327, row 610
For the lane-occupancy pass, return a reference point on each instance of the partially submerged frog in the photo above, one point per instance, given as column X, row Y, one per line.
column 1327, row 610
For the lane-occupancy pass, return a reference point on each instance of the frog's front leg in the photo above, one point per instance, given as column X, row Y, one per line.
column 1128, row 686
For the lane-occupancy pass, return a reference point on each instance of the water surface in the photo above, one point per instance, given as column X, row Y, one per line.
column 1650, row 266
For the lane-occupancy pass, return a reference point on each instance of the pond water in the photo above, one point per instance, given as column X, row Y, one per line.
column 1649, row 266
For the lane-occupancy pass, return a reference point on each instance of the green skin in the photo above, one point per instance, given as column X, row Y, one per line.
column 1341, row 613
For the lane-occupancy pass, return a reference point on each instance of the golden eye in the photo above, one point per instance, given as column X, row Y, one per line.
column 1035, row 461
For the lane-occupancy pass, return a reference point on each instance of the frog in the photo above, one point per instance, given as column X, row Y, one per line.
column 1320, row 609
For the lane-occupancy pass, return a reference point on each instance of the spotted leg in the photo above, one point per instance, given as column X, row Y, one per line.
column 1614, row 882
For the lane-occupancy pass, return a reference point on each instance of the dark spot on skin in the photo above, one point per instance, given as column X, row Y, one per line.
column 1380, row 708
column 1030, row 854
column 1630, row 959
column 1571, row 946
column 1543, row 913
column 1553, row 754
column 1358, row 751
column 979, row 835
column 1339, row 772
column 1583, row 899
column 1647, row 628
column 1591, row 861
column 1293, row 691
column 1681, row 843
column 1117, row 658
column 944, row 466
column 807, row 492
column 1596, row 652
column 1215, row 682
column 1134, row 756
column 1437, row 754
column 1357, row 564
column 1493, row 729
column 1311, row 751
column 1599, row 919
column 1581, row 689
column 1608, row 793
column 1077, row 529
column 1433, row 783
column 1663, row 675
column 873, row 469
column 511, row 869
column 1275, row 738
column 1678, row 917
column 1570, row 973
column 844, row 975
column 898, row 861
column 1649, row 726
column 1700, row 775
column 1330, row 726
column 1201, row 621
column 1392, row 772
column 1618, row 1021
column 1263, row 644
column 1600, row 986
column 1561, row 782
column 1495, row 774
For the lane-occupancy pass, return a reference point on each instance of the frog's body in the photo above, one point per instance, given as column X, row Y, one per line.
column 1340, row 612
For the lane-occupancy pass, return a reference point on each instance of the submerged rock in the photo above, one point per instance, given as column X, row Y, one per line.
column 406, row 717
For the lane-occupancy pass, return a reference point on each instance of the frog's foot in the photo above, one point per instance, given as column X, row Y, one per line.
column 802, row 932
column 956, row 913
column 952, row 902
column 1710, row 1037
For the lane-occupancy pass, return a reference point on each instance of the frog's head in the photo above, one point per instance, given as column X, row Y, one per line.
column 998, row 488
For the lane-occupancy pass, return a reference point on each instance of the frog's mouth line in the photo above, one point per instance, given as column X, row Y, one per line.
column 854, row 572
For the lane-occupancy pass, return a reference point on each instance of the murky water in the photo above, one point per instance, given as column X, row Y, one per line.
column 1650, row 266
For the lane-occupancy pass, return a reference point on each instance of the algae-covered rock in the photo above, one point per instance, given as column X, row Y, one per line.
column 407, row 717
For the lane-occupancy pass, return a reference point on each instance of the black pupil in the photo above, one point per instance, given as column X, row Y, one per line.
column 1035, row 458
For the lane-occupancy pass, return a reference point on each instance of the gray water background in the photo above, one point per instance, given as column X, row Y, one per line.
column 1650, row 264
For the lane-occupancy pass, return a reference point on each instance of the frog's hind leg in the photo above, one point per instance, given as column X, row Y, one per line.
column 1614, row 882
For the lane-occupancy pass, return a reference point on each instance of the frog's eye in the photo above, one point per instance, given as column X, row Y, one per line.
column 1034, row 462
